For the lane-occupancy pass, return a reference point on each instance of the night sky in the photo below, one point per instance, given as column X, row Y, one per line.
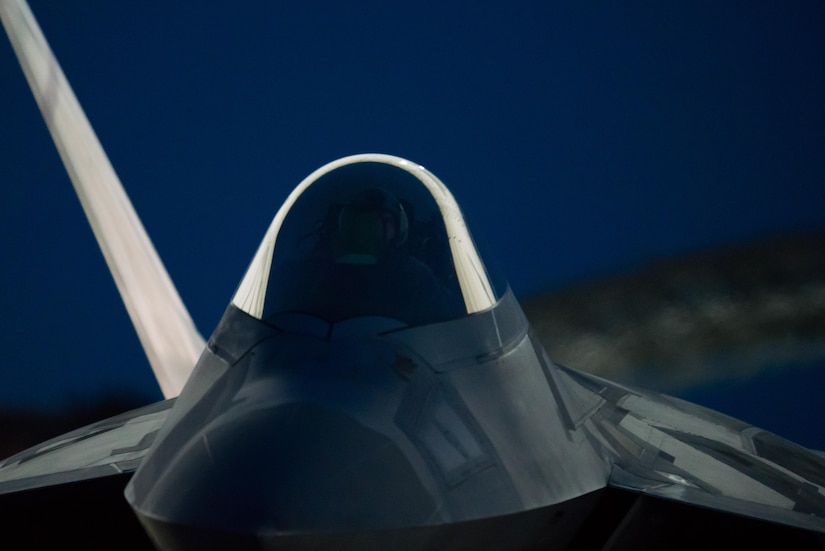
column 580, row 140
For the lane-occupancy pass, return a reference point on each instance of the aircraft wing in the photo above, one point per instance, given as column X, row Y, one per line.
column 680, row 468
column 110, row 447
column 70, row 488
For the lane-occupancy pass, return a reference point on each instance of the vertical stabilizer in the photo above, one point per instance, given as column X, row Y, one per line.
column 166, row 331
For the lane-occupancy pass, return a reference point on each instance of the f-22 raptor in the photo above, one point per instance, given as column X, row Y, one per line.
column 371, row 385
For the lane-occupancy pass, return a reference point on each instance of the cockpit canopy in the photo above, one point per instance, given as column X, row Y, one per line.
column 368, row 235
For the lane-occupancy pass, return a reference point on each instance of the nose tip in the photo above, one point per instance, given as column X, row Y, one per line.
column 287, row 468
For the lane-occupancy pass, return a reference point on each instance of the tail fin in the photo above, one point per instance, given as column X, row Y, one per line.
column 164, row 326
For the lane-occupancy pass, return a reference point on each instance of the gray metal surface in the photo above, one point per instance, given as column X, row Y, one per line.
column 361, row 423
column 110, row 447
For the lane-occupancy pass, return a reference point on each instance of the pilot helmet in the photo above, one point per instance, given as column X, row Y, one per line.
column 372, row 222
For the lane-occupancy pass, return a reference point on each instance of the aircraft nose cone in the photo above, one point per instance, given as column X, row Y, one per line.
column 293, row 468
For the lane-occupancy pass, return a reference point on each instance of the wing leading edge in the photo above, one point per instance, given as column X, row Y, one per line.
column 682, row 457
column 111, row 447
column 70, row 488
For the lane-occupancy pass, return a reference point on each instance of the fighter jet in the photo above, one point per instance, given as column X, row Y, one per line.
column 372, row 384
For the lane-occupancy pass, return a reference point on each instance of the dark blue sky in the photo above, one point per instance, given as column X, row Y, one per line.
column 579, row 139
